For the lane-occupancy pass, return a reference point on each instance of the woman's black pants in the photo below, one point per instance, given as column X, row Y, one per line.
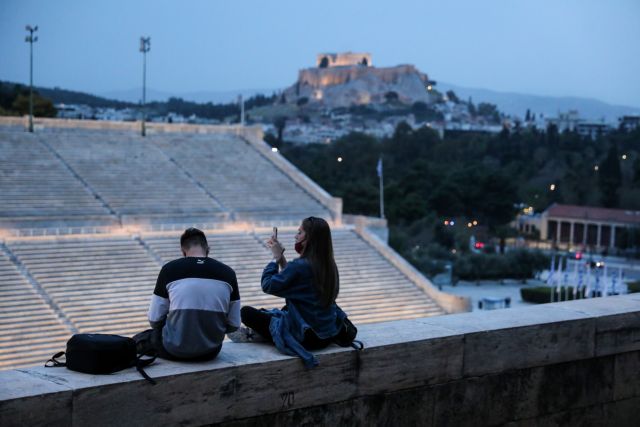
column 259, row 321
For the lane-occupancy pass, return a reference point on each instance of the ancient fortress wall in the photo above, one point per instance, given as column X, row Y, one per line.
column 323, row 77
column 344, row 59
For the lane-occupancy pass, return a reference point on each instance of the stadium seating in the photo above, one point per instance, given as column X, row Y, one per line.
column 241, row 179
column 34, row 184
column 53, row 286
column 30, row 330
column 131, row 175
column 101, row 284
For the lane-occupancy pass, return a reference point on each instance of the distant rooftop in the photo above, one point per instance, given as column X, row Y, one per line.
column 593, row 213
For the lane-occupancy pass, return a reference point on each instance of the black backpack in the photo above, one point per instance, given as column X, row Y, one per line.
column 347, row 335
column 101, row 354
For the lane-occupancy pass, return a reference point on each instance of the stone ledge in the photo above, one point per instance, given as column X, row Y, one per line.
column 449, row 352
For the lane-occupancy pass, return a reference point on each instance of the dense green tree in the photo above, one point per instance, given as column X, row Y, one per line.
column 452, row 96
column 42, row 107
column 489, row 111
column 391, row 97
column 280, row 122
column 610, row 178
column 467, row 176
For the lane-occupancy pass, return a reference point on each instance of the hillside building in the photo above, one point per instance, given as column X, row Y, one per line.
column 581, row 227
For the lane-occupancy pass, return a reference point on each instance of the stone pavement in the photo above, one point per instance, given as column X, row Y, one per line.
column 492, row 289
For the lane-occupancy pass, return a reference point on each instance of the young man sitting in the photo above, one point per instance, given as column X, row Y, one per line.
column 194, row 304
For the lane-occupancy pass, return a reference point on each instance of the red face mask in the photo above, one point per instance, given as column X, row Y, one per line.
column 299, row 247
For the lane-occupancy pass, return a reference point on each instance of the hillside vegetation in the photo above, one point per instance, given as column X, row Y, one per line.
column 469, row 177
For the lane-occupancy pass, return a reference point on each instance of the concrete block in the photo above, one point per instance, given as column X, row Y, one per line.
column 618, row 322
column 627, row 375
column 601, row 306
column 412, row 407
column 407, row 354
column 30, row 400
column 273, row 383
column 549, row 335
column 488, row 400
column 590, row 416
column 571, row 385
column 524, row 394
column 622, row 413
column 618, row 333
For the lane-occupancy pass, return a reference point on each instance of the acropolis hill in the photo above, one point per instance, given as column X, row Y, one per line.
column 345, row 79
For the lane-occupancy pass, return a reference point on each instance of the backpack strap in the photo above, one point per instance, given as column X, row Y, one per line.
column 54, row 362
column 357, row 344
column 140, row 363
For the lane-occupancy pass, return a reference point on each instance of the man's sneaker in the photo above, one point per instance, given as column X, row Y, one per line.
column 244, row 334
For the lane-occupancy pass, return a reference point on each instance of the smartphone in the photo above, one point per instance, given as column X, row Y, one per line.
column 275, row 233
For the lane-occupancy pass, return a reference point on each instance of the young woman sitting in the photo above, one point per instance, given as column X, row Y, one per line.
column 310, row 319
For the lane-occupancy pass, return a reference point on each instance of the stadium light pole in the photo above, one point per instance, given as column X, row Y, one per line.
column 145, row 46
column 31, row 39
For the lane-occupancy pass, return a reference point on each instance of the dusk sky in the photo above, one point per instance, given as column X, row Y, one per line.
column 583, row 48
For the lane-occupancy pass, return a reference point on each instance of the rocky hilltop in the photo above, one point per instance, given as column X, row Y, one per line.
column 355, row 81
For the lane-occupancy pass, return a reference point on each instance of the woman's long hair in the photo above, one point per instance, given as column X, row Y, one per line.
column 319, row 252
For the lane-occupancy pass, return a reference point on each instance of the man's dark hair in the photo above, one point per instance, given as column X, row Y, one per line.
column 193, row 237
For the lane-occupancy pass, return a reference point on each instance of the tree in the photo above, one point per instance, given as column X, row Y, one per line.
column 42, row 107
column 280, row 122
column 489, row 111
column 472, row 108
column 553, row 136
column 452, row 96
column 391, row 96
column 636, row 171
column 403, row 129
column 610, row 178
column 527, row 117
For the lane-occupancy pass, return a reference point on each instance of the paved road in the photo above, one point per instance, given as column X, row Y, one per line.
column 492, row 289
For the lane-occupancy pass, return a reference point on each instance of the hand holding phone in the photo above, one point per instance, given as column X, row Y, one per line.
column 275, row 233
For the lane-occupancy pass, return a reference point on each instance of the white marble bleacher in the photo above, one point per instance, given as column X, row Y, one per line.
column 30, row 331
column 131, row 174
column 34, row 184
column 101, row 284
column 239, row 176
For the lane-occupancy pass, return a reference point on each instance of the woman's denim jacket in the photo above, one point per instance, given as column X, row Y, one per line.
column 303, row 309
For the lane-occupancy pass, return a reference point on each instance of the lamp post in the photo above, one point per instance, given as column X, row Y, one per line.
column 145, row 46
column 31, row 39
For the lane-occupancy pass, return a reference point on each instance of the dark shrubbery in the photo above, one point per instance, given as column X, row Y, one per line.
column 634, row 287
column 542, row 294
column 519, row 264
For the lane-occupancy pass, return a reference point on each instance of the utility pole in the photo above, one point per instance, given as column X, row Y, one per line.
column 31, row 39
column 379, row 170
column 145, row 46
column 241, row 102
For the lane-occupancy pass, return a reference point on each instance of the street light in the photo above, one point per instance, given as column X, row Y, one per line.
column 31, row 39
column 145, row 46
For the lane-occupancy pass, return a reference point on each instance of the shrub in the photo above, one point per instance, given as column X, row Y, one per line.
column 542, row 294
column 634, row 287
column 519, row 264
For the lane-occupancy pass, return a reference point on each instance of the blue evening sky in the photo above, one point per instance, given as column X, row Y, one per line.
column 588, row 48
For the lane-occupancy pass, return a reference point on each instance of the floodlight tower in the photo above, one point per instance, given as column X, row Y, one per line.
column 145, row 46
column 31, row 39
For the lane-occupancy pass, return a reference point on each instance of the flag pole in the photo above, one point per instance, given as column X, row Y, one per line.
column 379, row 169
